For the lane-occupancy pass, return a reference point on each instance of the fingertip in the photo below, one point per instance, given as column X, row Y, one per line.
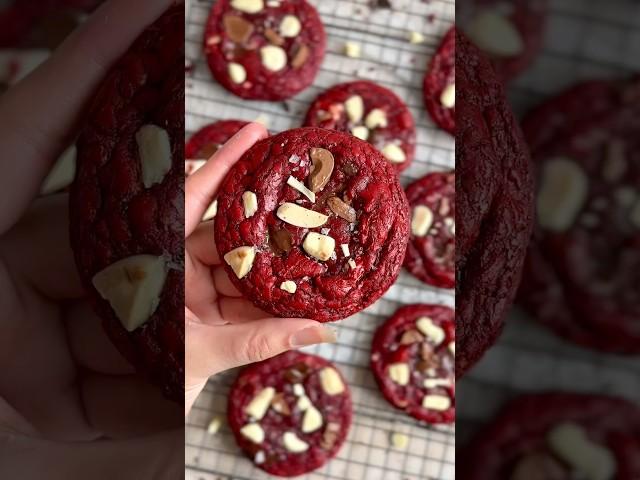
column 313, row 333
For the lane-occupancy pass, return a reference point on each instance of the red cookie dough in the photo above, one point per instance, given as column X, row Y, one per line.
column 206, row 141
column 432, row 245
column 269, row 54
column 378, row 116
column 117, row 213
column 349, row 244
column 291, row 400
column 413, row 360
column 533, row 434
column 510, row 32
column 581, row 274
column 439, row 82
column 494, row 197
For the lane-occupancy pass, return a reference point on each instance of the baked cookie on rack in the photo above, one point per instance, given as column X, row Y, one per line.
column 290, row 414
column 439, row 86
column 205, row 142
column 264, row 49
column 413, row 360
column 370, row 112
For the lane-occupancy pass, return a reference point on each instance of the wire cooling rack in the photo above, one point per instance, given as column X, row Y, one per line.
column 389, row 59
column 584, row 40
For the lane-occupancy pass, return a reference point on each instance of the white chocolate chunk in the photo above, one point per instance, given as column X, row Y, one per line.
column 399, row 440
column 299, row 186
column 298, row 390
column 250, row 204
column 571, row 444
column 331, row 382
column 562, row 194
column 352, row 50
column 416, row 38
column 290, row 26
column 241, row 260
column 376, row 118
column 448, row 96
column 289, row 286
column 273, row 58
column 132, row 286
column 293, row 444
column 421, row 220
column 248, row 6
column 260, row 403
column 360, row 132
column 436, row 402
column 214, row 426
column 345, row 249
column 303, row 403
column 210, row 212
column 319, row 246
column 399, row 373
column 452, row 348
column 253, row 432
column 259, row 458
column 237, row 72
column 436, row 382
column 62, row 173
column 354, row 107
column 495, row 34
column 312, row 420
column 154, row 149
column 299, row 216
column 352, row 263
column 394, row 153
column 430, row 330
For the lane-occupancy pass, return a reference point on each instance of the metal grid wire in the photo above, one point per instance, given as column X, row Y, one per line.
column 389, row 59
column 582, row 42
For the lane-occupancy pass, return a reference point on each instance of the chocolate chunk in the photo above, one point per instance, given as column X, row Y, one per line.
column 238, row 29
column 281, row 240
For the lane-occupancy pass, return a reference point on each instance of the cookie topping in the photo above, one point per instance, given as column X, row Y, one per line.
column 430, row 330
column 237, row 73
column 345, row 249
column 319, row 246
column 411, row 336
column 330, row 435
column 394, row 153
column 355, row 108
column 352, row 264
column 323, row 162
column 241, row 260
column 331, row 382
column 352, row 50
column 258, row 407
column 154, row 149
column 298, row 389
column 436, row 382
column 279, row 404
column 436, row 402
column 211, row 212
column 299, row 216
column 448, row 96
column 300, row 56
column 293, row 444
column 312, row 420
column 248, row 6
column 399, row 440
column 282, row 240
column 237, row 28
column 132, row 286
column 253, row 432
column 289, row 286
column 376, row 118
column 399, row 373
column 290, row 26
column 360, row 132
column 299, row 186
column 341, row 209
column 250, row 204
column 496, row 35
column 274, row 58
column 421, row 220
column 214, row 425
column 273, row 37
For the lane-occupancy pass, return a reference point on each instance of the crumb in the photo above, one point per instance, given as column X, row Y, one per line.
column 352, row 50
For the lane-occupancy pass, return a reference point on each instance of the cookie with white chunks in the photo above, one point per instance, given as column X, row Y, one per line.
column 207, row 141
column 290, row 414
column 127, row 204
column 439, row 86
column 315, row 224
column 264, row 50
column 432, row 246
column 413, row 360
column 370, row 112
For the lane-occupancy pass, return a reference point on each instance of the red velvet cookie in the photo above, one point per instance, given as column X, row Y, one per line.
column 370, row 112
column 510, row 32
column 290, row 414
column 439, row 84
column 432, row 245
column 558, row 436
column 127, row 203
column 413, row 360
column 264, row 50
column 315, row 224
column 494, row 197
column 206, row 141
column 581, row 274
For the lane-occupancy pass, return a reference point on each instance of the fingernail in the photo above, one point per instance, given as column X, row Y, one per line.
column 312, row 336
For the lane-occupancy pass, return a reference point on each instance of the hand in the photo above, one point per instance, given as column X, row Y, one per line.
column 223, row 330
column 70, row 406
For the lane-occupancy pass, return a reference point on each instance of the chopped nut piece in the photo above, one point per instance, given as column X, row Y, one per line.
column 290, row 26
column 421, row 220
column 241, row 260
column 154, row 150
column 253, row 432
column 319, row 246
column 355, row 108
column 250, row 204
column 279, row 404
column 274, row 58
column 300, row 216
column 299, row 186
column 248, row 6
column 293, row 444
column 411, row 336
column 331, row 382
column 289, row 286
column 352, row 50
column 430, row 330
column 238, row 29
column 273, row 37
column 399, row 440
column 345, row 249
column 394, row 153
column 341, row 209
column 300, row 56
column 352, row 263
column 436, row 402
column 211, row 211
column 259, row 405
column 330, row 435
column 416, row 38
column 360, row 132
column 436, row 382
column 214, row 425
column 399, row 373
column 376, row 118
column 323, row 162
column 237, row 73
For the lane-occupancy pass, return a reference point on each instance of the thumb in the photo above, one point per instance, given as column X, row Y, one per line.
column 211, row 349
